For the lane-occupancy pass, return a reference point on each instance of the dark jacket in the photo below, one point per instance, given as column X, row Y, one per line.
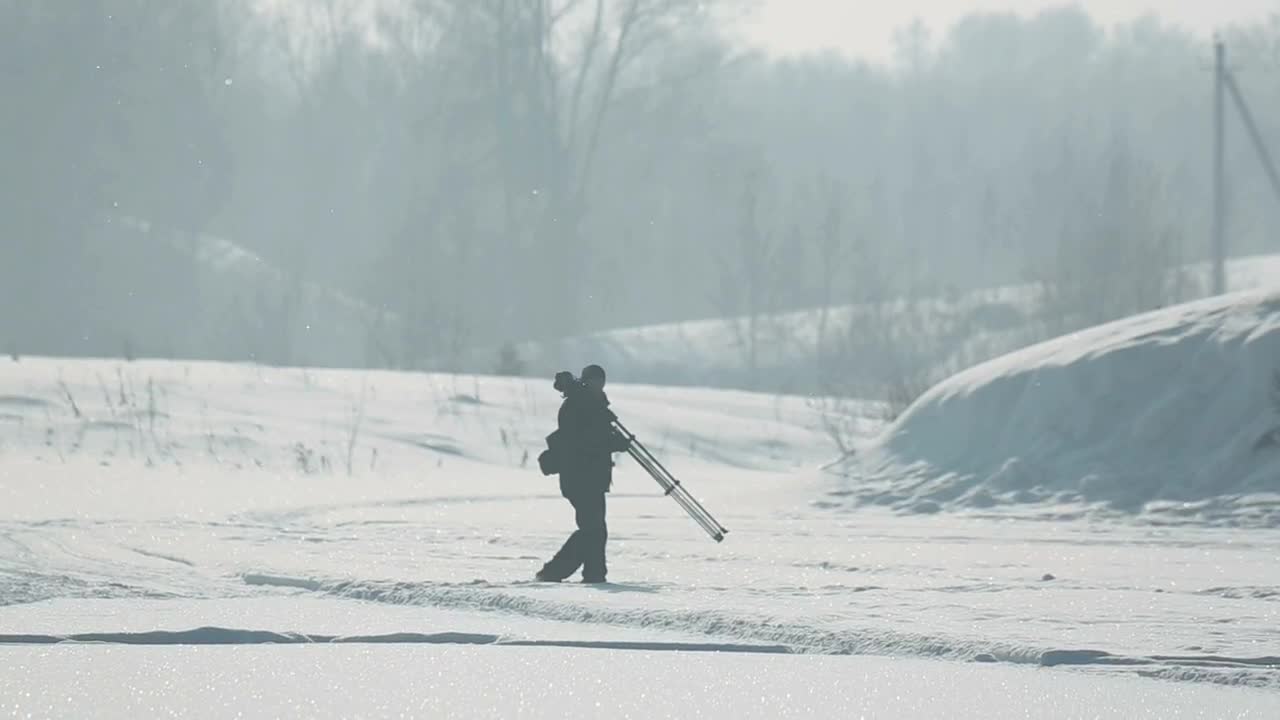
column 585, row 442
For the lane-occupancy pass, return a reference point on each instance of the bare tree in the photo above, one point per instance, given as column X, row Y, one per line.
column 747, row 287
column 1120, row 255
column 553, row 71
column 832, row 254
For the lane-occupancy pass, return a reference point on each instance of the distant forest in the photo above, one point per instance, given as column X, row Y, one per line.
column 216, row 179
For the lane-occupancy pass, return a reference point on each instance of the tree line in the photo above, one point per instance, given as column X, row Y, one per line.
column 472, row 172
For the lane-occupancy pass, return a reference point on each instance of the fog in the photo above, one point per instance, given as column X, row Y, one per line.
column 334, row 183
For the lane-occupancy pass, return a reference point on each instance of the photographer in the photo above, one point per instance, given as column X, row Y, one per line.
column 581, row 451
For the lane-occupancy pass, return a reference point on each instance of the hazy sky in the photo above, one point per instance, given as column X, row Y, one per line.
column 865, row 27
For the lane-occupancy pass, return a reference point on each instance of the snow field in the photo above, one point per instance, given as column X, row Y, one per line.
column 241, row 504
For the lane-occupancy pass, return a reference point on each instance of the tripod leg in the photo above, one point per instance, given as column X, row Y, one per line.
column 671, row 486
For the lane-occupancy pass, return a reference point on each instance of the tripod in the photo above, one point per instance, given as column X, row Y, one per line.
column 670, row 485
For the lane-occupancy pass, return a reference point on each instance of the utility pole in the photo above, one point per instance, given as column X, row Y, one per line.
column 1219, row 191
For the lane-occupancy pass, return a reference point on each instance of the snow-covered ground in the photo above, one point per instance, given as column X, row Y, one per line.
column 362, row 543
column 466, row 682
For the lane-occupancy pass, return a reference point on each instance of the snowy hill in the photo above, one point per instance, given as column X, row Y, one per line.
column 161, row 292
column 923, row 339
column 1174, row 413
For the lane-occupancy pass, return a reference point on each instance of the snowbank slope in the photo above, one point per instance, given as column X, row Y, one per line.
column 1174, row 412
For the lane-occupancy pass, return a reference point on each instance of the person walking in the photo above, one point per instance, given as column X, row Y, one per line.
column 584, row 443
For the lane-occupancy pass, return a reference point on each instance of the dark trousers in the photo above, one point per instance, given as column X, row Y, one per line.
column 585, row 547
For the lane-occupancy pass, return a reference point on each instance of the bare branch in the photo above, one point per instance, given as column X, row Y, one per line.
column 547, row 61
column 584, row 69
column 620, row 48
column 568, row 7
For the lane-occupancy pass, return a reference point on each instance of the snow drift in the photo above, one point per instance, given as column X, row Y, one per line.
column 1173, row 413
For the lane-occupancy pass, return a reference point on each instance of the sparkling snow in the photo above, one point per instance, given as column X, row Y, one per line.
column 208, row 540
